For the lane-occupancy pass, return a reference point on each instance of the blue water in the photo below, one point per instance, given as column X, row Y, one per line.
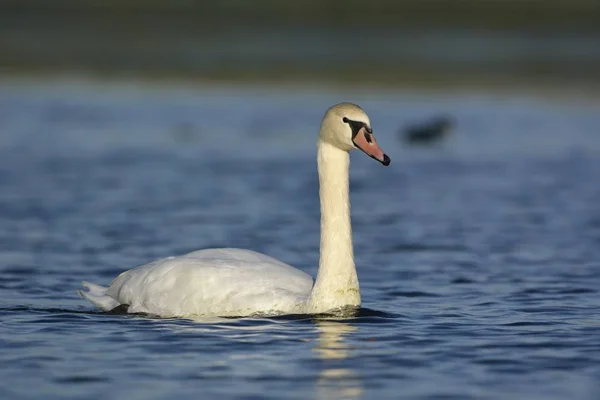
column 478, row 258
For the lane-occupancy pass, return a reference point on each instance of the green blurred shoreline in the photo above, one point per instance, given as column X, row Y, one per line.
column 407, row 43
column 489, row 14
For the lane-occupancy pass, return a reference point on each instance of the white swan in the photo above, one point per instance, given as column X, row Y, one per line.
column 236, row 282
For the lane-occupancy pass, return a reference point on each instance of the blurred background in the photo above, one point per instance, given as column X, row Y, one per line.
column 137, row 129
column 416, row 61
column 381, row 42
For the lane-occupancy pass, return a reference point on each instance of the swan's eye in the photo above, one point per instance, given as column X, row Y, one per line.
column 356, row 126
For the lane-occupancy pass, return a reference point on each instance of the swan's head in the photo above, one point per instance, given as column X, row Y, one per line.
column 347, row 127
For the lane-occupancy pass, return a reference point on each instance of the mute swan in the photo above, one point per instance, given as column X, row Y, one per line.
column 236, row 282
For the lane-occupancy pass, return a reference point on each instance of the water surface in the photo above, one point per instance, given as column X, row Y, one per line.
column 478, row 258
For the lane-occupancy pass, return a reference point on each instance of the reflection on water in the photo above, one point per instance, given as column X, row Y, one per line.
column 336, row 380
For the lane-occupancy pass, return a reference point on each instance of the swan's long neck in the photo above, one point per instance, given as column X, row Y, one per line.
column 337, row 283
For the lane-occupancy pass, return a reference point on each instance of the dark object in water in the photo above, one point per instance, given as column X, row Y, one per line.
column 430, row 132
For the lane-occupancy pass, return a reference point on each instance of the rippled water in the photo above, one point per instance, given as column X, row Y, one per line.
column 479, row 258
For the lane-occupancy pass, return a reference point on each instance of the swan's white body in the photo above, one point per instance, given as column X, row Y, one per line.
column 236, row 282
column 223, row 282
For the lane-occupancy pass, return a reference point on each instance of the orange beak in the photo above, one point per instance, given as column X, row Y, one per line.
column 365, row 141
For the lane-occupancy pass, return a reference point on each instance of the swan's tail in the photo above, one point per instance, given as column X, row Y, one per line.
column 97, row 295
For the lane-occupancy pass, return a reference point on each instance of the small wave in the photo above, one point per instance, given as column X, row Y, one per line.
column 411, row 293
column 419, row 247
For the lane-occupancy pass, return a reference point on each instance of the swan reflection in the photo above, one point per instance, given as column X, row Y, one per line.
column 337, row 379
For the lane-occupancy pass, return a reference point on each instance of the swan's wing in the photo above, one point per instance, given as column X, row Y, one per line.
column 212, row 282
